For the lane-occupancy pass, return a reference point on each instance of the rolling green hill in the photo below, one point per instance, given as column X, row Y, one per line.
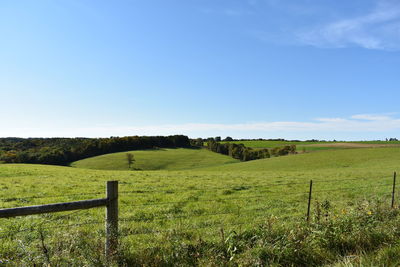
column 332, row 160
column 309, row 146
column 157, row 159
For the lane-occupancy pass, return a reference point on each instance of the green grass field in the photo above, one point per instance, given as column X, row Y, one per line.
column 300, row 146
column 324, row 162
column 158, row 159
column 315, row 146
column 185, row 202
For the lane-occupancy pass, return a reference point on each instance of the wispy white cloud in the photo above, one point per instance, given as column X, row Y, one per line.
column 331, row 119
column 378, row 29
column 371, row 117
column 361, row 123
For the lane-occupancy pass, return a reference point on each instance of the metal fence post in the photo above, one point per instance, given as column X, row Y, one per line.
column 111, row 245
column 309, row 202
column 394, row 189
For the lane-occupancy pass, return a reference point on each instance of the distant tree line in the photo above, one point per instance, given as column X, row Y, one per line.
column 228, row 138
column 243, row 153
column 62, row 151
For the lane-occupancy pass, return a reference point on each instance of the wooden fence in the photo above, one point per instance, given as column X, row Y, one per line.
column 111, row 204
column 111, row 218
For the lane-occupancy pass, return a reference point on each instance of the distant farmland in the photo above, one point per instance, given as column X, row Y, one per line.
column 316, row 146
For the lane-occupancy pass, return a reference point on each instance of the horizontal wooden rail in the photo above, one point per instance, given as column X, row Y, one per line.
column 57, row 207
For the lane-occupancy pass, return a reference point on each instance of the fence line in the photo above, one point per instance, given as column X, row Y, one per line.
column 139, row 191
column 187, row 189
column 204, row 200
column 252, row 197
column 238, row 186
column 237, row 212
column 350, row 188
column 221, row 224
column 52, row 227
column 111, row 202
column 193, row 215
column 40, row 224
column 186, row 229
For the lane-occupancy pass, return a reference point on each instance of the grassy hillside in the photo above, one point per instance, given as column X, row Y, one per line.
column 178, row 212
column 159, row 159
column 317, row 146
column 325, row 161
column 306, row 146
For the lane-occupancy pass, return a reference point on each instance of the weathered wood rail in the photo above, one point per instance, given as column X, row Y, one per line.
column 57, row 207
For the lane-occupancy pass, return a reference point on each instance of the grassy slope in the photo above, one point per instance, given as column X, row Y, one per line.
column 308, row 146
column 160, row 159
column 336, row 160
column 243, row 192
column 300, row 145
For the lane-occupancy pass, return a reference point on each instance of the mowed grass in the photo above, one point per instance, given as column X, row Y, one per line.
column 157, row 159
column 165, row 207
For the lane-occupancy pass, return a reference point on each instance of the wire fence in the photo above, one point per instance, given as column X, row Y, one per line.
column 241, row 186
column 175, row 190
column 4, row 234
column 142, row 214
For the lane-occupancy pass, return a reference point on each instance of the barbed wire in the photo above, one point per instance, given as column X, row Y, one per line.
column 323, row 198
column 221, row 224
column 257, row 196
column 208, row 200
column 188, row 216
column 350, row 188
column 150, row 232
column 42, row 223
column 237, row 212
column 77, row 224
column 240, row 187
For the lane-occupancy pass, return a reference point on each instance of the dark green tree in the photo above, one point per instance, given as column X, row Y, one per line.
column 228, row 138
column 130, row 158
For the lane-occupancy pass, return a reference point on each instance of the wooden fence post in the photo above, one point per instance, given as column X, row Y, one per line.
column 111, row 219
column 394, row 189
column 309, row 202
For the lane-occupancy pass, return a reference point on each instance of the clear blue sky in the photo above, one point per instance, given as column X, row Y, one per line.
column 296, row 69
